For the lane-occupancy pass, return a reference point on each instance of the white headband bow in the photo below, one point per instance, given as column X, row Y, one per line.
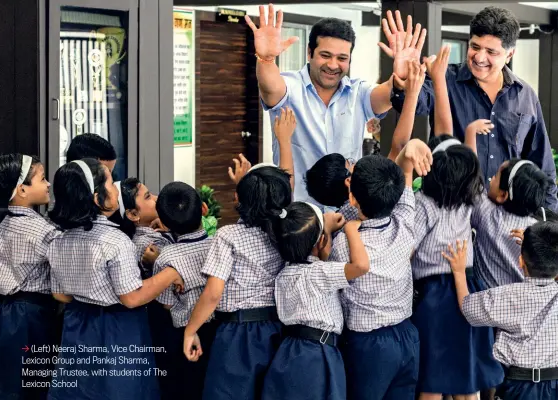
column 446, row 144
column 514, row 172
column 25, row 167
column 88, row 175
column 120, row 200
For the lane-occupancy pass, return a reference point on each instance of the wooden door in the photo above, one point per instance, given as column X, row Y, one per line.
column 226, row 105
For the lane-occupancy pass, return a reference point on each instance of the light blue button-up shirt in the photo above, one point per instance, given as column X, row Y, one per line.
column 321, row 129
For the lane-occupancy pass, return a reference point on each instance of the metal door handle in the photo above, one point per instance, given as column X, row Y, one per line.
column 246, row 134
column 56, row 109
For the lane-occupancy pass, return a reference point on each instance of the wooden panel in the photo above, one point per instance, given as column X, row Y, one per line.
column 224, row 106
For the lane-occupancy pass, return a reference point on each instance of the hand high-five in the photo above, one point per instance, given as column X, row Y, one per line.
column 267, row 39
column 438, row 65
column 412, row 42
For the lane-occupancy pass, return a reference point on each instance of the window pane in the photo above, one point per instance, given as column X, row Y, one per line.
column 294, row 58
column 457, row 48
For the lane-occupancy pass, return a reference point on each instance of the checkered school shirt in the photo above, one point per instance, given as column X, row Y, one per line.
column 308, row 294
column 496, row 259
column 94, row 266
column 24, row 241
column 384, row 296
column 187, row 257
column 435, row 228
column 526, row 317
column 247, row 261
column 349, row 212
column 145, row 237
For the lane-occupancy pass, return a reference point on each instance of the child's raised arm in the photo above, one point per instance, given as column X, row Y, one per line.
column 437, row 68
column 480, row 126
column 284, row 128
column 416, row 155
column 359, row 262
column 404, row 127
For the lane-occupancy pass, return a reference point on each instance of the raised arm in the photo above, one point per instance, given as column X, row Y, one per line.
column 268, row 43
column 404, row 127
column 416, row 155
column 283, row 129
column 437, row 68
column 480, row 126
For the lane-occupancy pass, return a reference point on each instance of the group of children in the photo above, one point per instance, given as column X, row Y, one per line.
column 391, row 297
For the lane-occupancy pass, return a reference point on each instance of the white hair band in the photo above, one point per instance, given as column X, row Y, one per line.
column 446, row 144
column 543, row 214
column 120, row 200
column 283, row 214
column 88, row 175
column 514, row 172
column 26, row 162
column 320, row 219
column 261, row 165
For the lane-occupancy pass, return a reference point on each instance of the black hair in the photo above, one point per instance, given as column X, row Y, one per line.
column 377, row 184
column 90, row 145
column 497, row 22
column 540, row 250
column 455, row 178
column 262, row 194
column 331, row 27
column 129, row 188
column 297, row 233
column 10, row 170
column 180, row 208
column 529, row 188
column 74, row 204
column 325, row 181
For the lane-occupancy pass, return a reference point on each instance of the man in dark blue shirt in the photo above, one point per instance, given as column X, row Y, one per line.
column 483, row 87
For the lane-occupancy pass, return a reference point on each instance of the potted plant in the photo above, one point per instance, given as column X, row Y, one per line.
column 210, row 221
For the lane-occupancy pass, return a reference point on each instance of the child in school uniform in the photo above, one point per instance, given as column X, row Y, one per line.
column 94, row 270
column 27, row 309
column 241, row 266
column 90, row 145
column 381, row 345
column 515, row 197
column 525, row 315
column 308, row 364
column 180, row 208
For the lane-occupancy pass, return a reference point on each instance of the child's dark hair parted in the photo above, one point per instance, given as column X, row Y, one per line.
column 129, row 190
column 298, row 233
column 497, row 22
column 331, row 27
column 10, row 171
column 90, row 145
column 530, row 184
column 74, row 204
column 180, row 208
column 263, row 193
column 540, row 250
column 377, row 184
column 325, row 181
column 455, row 178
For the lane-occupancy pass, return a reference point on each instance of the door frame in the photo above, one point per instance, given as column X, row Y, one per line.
column 53, row 86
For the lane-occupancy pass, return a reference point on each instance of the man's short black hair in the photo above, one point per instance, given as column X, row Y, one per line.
column 331, row 27
column 90, row 145
column 497, row 22
column 180, row 208
column 325, row 181
column 540, row 250
column 377, row 184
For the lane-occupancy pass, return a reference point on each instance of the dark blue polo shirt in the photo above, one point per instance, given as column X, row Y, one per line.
column 519, row 129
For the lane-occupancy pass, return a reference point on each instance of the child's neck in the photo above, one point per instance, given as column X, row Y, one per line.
column 21, row 203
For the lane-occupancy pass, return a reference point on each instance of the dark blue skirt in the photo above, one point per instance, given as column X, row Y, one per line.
column 125, row 371
column 525, row 390
column 240, row 357
column 26, row 320
column 382, row 364
column 456, row 358
column 305, row 369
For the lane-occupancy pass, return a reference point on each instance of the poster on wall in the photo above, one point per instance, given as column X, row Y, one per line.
column 183, row 78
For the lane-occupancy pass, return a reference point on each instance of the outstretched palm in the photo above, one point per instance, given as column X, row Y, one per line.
column 404, row 45
column 267, row 38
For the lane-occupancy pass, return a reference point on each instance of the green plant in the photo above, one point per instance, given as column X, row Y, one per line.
column 210, row 221
column 417, row 184
column 555, row 156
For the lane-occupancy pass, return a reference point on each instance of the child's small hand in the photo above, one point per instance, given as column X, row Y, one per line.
column 413, row 84
column 518, row 235
column 353, row 225
column 438, row 65
column 333, row 222
column 285, row 125
column 480, row 126
column 241, row 167
column 158, row 226
column 458, row 257
column 178, row 283
column 150, row 255
column 192, row 347
column 420, row 155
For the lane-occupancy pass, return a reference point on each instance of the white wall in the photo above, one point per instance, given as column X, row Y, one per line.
column 526, row 62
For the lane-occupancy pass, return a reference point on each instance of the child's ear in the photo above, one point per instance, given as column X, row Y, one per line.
column 352, row 200
column 205, row 209
column 96, row 200
column 236, row 198
column 348, row 182
column 523, row 266
column 502, row 197
column 133, row 215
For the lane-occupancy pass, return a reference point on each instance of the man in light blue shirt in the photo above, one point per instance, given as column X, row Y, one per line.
column 331, row 109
